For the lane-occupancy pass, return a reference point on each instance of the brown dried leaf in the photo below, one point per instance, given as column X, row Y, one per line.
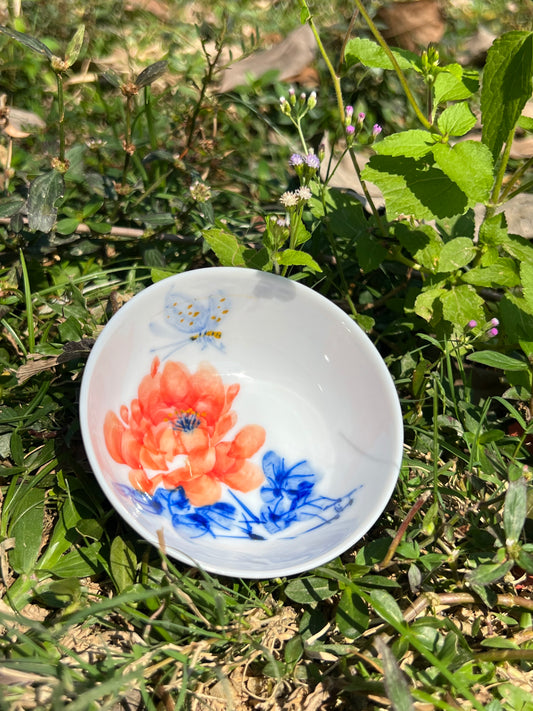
column 289, row 57
column 412, row 24
column 38, row 363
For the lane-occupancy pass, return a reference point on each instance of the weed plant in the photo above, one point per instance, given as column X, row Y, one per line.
column 143, row 171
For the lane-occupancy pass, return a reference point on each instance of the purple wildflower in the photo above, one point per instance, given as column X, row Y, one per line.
column 493, row 332
column 376, row 129
column 472, row 323
column 495, row 322
column 312, row 161
column 350, row 130
column 361, row 117
column 296, row 159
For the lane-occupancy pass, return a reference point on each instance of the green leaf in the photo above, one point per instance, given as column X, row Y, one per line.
column 293, row 258
column 469, row 165
column 424, row 244
column 525, row 123
column 151, row 73
column 294, row 649
column 71, row 329
column 45, row 190
column 516, row 317
column 394, row 679
column 413, row 188
column 310, row 590
column 456, row 253
column 370, row 253
column 352, row 614
column 80, row 562
column 371, row 54
column 461, row 305
column 506, row 86
column 498, row 275
column 101, row 228
column 525, row 561
column 74, row 46
column 514, row 510
column 67, row 226
column 410, row 144
column 226, row 246
column 123, row 564
column 26, row 527
column 386, row 607
column 454, row 83
column 27, row 41
column 498, row 360
column 10, row 206
column 489, row 573
column 456, row 120
column 526, row 275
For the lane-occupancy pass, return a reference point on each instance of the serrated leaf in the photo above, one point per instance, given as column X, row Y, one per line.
column 310, row 590
column 525, row 123
column 410, row 144
column 45, row 190
column 456, row 120
column 370, row 54
column 506, row 86
column 369, row 252
column 74, row 46
column 413, row 188
column 27, row 41
column 500, row 274
column 515, row 509
column 461, row 305
column 424, row 244
column 526, row 275
column 151, row 73
column 295, row 258
column 454, row 83
column 469, row 165
column 493, row 359
column 226, row 246
column 456, row 253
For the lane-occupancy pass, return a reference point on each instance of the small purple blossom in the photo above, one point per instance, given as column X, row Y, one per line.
column 291, row 91
column 312, row 161
column 296, row 159
column 495, row 322
column 472, row 323
column 376, row 129
column 361, row 117
column 493, row 332
column 350, row 130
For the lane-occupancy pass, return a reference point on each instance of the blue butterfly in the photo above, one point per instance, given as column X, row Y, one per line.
column 194, row 317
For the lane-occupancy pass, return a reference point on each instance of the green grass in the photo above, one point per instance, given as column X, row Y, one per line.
column 433, row 608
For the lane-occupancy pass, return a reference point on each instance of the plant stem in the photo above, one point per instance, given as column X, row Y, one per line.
column 368, row 197
column 61, row 114
column 495, row 195
column 401, row 76
column 403, row 528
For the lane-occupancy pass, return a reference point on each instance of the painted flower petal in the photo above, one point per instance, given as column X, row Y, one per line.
column 195, row 440
column 247, row 478
column 113, row 433
column 223, row 426
column 152, row 460
column 202, row 491
column 131, row 450
column 175, row 384
column 223, row 461
column 247, row 441
column 140, row 481
column 202, row 462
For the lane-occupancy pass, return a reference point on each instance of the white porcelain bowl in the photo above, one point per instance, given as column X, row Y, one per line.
column 243, row 416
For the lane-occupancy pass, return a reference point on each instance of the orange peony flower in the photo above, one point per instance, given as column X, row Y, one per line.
column 173, row 434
